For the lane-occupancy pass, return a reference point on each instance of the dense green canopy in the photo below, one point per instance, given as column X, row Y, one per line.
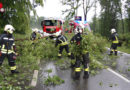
column 17, row 13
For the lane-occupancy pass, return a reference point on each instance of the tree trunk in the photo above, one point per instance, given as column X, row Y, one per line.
column 85, row 17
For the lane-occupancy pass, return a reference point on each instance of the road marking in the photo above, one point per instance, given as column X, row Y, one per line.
column 35, row 76
column 118, row 75
column 34, row 80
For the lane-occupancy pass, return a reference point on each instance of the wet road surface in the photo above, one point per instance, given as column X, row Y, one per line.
column 122, row 63
column 105, row 80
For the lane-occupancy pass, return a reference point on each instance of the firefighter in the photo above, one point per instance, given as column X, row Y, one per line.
column 81, row 57
column 34, row 34
column 8, row 48
column 62, row 41
column 115, row 41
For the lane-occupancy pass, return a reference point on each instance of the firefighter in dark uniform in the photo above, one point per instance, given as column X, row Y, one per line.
column 81, row 57
column 115, row 41
column 34, row 35
column 62, row 41
column 8, row 48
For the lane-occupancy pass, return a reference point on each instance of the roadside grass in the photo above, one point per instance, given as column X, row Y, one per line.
column 124, row 49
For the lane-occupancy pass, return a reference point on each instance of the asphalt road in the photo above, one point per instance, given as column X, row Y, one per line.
column 116, row 77
column 107, row 79
column 122, row 63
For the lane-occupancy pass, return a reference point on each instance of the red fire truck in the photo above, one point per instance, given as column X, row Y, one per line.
column 51, row 27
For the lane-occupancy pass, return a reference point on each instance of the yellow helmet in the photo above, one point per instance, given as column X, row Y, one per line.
column 9, row 28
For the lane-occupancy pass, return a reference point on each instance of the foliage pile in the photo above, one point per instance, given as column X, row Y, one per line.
column 55, row 80
column 26, row 62
column 45, row 49
column 95, row 45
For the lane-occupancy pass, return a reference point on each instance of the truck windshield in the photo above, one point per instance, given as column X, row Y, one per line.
column 50, row 22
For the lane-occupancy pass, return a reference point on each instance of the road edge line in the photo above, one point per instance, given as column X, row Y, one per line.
column 114, row 72
column 117, row 74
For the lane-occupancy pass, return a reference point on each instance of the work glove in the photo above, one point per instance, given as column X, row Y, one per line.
column 16, row 54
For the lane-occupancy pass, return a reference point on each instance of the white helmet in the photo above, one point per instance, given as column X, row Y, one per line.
column 78, row 30
column 35, row 30
column 9, row 28
column 113, row 30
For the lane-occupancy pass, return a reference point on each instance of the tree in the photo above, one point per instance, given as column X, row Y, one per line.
column 127, row 7
column 36, row 23
column 94, row 19
column 87, row 4
column 109, row 15
column 72, row 5
column 17, row 13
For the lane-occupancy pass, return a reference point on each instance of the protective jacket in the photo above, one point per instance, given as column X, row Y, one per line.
column 76, row 39
column 7, row 45
column 114, row 38
column 61, row 40
column 33, row 36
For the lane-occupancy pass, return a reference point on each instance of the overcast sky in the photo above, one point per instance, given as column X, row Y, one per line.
column 53, row 8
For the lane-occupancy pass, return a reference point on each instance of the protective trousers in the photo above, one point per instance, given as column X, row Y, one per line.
column 113, row 48
column 66, row 47
column 85, row 62
column 10, row 60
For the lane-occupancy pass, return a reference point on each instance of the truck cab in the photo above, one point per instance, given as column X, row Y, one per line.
column 52, row 27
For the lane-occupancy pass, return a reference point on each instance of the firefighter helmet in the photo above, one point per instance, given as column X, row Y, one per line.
column 78, row 30
column 9, row 28
column 35, row 30
column 113, row 30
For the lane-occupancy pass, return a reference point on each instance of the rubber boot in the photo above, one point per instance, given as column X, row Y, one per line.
column 86, row 75
column 69, row 56
column 111, row 52
column 14, row 71
column 77, row 75
column 116, row 53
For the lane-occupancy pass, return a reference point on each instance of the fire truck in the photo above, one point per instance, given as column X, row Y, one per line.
column 52, row 27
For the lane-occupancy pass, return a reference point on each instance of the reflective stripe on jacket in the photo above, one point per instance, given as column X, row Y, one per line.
column 116, row 40
column 6, row 44
column 61, row 40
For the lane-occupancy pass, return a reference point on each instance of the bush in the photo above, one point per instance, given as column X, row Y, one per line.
column 125, row 38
